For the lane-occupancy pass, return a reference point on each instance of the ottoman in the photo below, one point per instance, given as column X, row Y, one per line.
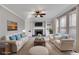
column 39, row 50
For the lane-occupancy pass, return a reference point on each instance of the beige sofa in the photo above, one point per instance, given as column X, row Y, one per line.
column 62, row 44
column 16, row 44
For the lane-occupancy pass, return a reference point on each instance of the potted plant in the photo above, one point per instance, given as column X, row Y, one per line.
column 51, row 31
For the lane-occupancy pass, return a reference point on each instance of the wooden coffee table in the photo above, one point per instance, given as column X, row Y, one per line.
column 39, row 42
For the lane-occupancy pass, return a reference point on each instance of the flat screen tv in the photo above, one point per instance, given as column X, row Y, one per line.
column 38, row 24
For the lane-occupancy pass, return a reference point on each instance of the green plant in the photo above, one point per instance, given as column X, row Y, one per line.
column 51, row 31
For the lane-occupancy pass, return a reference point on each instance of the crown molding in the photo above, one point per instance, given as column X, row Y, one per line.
column 10, row 11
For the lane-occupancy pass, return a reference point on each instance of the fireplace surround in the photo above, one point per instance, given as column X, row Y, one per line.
column 38, row 28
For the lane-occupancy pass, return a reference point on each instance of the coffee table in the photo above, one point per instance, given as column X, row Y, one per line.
column 39, row 42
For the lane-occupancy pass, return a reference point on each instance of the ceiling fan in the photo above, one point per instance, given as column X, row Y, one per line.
column 36, row 13
column 39, row 13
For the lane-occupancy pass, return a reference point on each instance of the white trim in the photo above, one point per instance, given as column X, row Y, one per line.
column 10, row 10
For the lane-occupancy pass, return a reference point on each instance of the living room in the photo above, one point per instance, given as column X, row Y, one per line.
column 51, row 29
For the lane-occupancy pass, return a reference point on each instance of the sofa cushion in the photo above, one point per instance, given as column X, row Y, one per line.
column 13, row 37
column 58, row 36
column 61, row 36
column 22, row 35
column 58, row 41
column 18, row 37
column 65, row 36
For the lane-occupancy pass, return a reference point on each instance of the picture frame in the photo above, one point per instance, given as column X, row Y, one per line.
column 11, row 25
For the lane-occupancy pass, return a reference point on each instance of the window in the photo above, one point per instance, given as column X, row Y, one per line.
column 57, row 25
column 72, row 25
column 63, row 24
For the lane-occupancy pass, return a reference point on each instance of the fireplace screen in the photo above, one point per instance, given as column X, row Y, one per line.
column 38, row 32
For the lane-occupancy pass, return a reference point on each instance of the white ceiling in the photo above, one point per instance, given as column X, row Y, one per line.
column 52, row 10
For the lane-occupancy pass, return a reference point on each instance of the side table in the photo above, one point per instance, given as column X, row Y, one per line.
column 6, row 49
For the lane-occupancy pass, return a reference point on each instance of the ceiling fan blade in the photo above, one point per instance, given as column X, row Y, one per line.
column 42, row 14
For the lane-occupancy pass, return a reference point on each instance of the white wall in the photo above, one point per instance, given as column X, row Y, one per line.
column 6, row 15
column 28, row 26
